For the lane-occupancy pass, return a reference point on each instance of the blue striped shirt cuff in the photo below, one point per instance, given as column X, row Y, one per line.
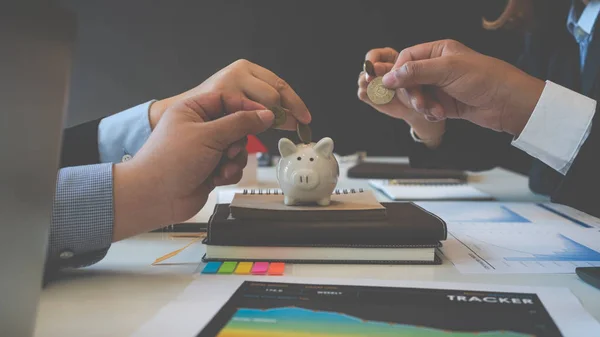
column 83, row 214
column 121, row 135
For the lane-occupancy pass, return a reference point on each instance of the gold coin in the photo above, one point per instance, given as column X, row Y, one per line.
column 304, row 133
column 378, row 93
column 280, row 116
column 369, row 68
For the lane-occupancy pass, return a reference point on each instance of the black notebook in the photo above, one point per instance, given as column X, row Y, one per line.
column 408, row 234
column 374, row 170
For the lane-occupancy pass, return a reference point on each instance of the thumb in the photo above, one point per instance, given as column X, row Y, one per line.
column 231, row 128
column 437, row 71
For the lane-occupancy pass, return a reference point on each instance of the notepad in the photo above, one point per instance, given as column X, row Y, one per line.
column 418, row 192
column 344, row 206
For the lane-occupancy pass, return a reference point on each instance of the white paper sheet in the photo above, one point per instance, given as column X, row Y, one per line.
column 202, row 299
column 492, row 237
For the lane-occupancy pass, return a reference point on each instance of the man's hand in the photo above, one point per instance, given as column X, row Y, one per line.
column 169, row 179
column 453, row 81
column 427, row 127
column 246, row 79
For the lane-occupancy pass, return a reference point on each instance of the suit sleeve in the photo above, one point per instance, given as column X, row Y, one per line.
column 80, row 145
column 466, row 146
column 581, row 185
column 83, row 215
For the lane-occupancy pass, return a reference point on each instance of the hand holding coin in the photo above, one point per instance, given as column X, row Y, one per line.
column 280, row 116
column 303, row 130
column 376, row 91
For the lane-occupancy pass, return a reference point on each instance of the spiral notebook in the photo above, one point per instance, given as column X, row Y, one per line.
column 402, row 191
column 346, row 204
column 225, row 196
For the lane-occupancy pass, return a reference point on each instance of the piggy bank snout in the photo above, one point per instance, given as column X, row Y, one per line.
column 306, row 179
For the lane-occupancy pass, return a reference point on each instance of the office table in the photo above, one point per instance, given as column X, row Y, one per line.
column 117, row 295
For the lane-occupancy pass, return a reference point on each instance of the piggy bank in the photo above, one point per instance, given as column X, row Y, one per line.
column 307, row 173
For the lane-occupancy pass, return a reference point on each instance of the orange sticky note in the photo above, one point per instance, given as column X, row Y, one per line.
column 276, row 268
column 243, row 268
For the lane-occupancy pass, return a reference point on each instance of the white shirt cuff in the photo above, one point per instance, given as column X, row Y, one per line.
column 121, row 135
column 558, row 126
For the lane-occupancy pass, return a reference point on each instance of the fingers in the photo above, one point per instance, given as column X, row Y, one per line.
column 236, row 148
column 362, row 87
column 424, row 101
column 430, row 50
column 231, row 171
column 383, row 59
column 387, row 55
column 260, row 91
column 288, row 97
column 223, row 132
column 439, row 72
column 382, row 68
column 213, row 105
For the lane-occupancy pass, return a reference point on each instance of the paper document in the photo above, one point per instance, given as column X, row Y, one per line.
column 492, row 237
column 282, row 306
column 413, row 192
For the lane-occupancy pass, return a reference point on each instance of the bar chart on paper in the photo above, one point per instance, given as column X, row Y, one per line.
column 516, row 238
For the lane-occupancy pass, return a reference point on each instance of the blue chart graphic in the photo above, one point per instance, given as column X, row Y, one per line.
column 473, row 212
column 572, row 251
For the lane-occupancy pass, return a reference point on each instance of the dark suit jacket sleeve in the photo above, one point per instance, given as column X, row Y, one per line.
column 80, row 145
column 466, row 146
column 581, row 185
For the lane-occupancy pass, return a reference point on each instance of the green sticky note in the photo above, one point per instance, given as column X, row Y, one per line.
column 227, row 267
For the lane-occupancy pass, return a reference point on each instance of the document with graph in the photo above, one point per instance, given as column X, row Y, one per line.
column 495, row 237
column 297, row 310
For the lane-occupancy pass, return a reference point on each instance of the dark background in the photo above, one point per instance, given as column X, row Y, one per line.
column 132, row 51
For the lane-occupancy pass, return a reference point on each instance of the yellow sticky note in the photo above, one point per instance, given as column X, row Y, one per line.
column 243, row 268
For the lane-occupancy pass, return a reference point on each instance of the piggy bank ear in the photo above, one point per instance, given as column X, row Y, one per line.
column 325, row 147
column 286, row 147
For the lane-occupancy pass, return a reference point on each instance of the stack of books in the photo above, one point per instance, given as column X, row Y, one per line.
column 355, row 228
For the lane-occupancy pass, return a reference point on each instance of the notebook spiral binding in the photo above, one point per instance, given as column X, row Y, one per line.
column 280, row 192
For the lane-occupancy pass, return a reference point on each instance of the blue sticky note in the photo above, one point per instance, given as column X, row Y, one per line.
column 211, row 268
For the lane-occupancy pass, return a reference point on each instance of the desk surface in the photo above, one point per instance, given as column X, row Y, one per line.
column 123, row 291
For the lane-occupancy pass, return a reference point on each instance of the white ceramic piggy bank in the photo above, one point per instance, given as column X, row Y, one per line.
column 307, row 173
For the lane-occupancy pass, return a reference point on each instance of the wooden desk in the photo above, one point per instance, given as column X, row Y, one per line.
column 118, row 294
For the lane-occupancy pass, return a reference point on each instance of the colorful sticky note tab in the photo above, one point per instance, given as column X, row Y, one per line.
column 227, row 267
column 243, row 268
column 276, row 268
column 260, row 268
column 211, row 268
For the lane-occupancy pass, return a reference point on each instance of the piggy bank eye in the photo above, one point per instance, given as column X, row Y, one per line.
column 299, row 158
column 312, row 159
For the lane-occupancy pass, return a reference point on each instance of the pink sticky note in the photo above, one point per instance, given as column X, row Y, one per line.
column 260, row 268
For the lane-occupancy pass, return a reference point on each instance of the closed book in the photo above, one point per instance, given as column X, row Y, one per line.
column 349, row 206
column 408, row 234
column 380, row 170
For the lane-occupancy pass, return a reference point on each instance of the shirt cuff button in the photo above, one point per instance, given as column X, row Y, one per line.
column 66, row 254
column 126, row 157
